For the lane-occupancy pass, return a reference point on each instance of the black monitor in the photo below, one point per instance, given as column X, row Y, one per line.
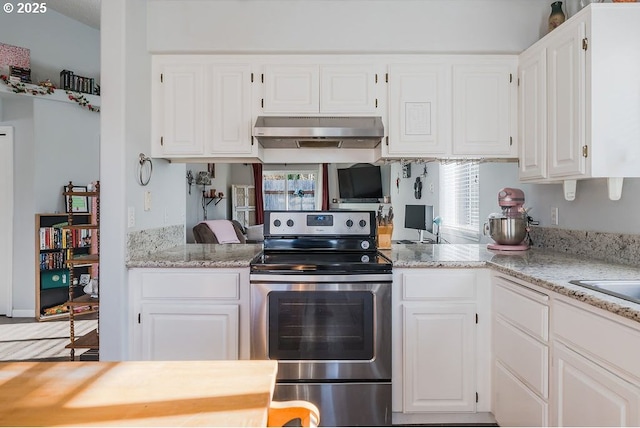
column 419, row 217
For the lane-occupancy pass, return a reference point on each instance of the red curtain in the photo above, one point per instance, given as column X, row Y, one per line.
column 325, row 186
column 257, row 181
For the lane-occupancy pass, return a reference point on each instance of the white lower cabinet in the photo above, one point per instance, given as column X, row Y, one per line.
column 208, row 332
column 189, row 314
column 596, row 376
column 440, row 344
column 521, row 353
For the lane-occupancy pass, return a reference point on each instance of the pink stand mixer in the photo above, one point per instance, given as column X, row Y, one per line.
column 509, row 229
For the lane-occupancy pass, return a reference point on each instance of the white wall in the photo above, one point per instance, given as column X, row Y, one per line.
column 56, row 43
column 498, row 26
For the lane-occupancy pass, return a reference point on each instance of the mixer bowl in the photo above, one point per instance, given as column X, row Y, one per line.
column 506, row 230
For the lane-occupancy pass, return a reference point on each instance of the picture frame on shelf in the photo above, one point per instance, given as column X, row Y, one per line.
column 84, row 279
column 79, row 204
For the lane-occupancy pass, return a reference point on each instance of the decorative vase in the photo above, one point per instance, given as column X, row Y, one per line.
column 557, row 16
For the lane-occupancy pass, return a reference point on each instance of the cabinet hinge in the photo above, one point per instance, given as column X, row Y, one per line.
column 376, row 77
column 585, row 151
column 476, row 397
column 262, row 78
column 376, row 103
column 161, row 78
column 476, row 318
column 518, row 81
column 510, row 141
column 139, row 318
column 510, row 77
column 387, row 140
column 262, row 103
column 162, row 141
column 386, row 77
column 251, row 77
column 585, row 44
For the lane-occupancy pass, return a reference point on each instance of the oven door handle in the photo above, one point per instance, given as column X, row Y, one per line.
column 351, row 278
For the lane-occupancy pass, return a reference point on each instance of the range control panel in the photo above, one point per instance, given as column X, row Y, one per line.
column 319, row 223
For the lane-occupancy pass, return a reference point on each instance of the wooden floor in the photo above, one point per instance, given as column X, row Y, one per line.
column 25, row 339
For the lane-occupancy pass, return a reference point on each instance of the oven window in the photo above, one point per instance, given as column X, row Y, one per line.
column 321, row 325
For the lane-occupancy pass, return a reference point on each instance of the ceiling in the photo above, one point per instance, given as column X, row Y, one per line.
column 85, row 11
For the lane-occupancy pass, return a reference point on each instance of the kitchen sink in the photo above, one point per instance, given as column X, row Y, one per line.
column 624, row 289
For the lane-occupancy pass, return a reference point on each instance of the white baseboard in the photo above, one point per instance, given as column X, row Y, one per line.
column 22, row 313
column 442, row 418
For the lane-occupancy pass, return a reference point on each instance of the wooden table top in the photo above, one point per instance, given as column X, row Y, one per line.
column 136, row 393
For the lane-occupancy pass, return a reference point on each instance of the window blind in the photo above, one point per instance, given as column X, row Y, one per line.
column 460, row 199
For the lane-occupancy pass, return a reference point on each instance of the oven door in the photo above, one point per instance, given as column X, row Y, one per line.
column 323, row 327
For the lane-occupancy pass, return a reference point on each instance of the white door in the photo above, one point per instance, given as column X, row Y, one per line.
column 566, row 67
column 230, row 111
column 482, row 109
column 348, row 89
column 439, row 357
column 189, row 332
column 178, row 109
column 419, row 116
column 532, row 115
column 291, row 89
column 6, row 218
column 586, row 394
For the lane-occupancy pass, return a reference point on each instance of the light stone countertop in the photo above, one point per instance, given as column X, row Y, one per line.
column 544, row 268
column 199, row 256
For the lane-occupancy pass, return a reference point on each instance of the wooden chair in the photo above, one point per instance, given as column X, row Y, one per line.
column 282, row 412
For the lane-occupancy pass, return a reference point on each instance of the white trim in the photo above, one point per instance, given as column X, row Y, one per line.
column 6, row 218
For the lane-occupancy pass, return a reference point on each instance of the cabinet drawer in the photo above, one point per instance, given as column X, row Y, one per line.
column 515, row 404
column 610, row 341
column 439, row 285
column 510, row 301
column 213, row 285
column 525, row 356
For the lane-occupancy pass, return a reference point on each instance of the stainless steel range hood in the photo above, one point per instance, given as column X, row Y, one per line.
column 285, row 132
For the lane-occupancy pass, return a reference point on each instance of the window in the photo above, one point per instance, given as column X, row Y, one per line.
column 460, row 199
column 289, row 190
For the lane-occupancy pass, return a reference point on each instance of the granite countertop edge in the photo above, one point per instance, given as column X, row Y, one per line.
column 546, row 269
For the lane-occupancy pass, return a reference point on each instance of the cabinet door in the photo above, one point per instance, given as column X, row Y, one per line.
column 419, row 118
column 566, row 66
column 348, row 89
column 189, row 332
column 482, row 109
column 532, row 115
column 291, row 89
column 514, row 404
column 439, row 357
column 588, row 395
column 230, row 111
column 178, row 109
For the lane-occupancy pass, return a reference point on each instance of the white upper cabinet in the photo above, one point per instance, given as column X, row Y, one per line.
column 453, row 106
column 419, row 119
column 565, row 101
column 177, row 108
column 484, row 96
column 575, row 103
column 348, row 89
column 319, row 89
column 201, row 107
column 291, row 89
column 532, row 117
column 230, row 111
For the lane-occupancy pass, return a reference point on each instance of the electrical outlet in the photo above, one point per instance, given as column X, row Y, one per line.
column 131, row 217
column 554, row 216
column 431, row 187
column 147, row 201
column 166, row 216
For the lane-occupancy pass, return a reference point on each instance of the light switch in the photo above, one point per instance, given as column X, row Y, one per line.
column 131, row 217
column 147, row 201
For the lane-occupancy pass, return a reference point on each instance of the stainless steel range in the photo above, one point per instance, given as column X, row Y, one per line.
column 321, row 306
